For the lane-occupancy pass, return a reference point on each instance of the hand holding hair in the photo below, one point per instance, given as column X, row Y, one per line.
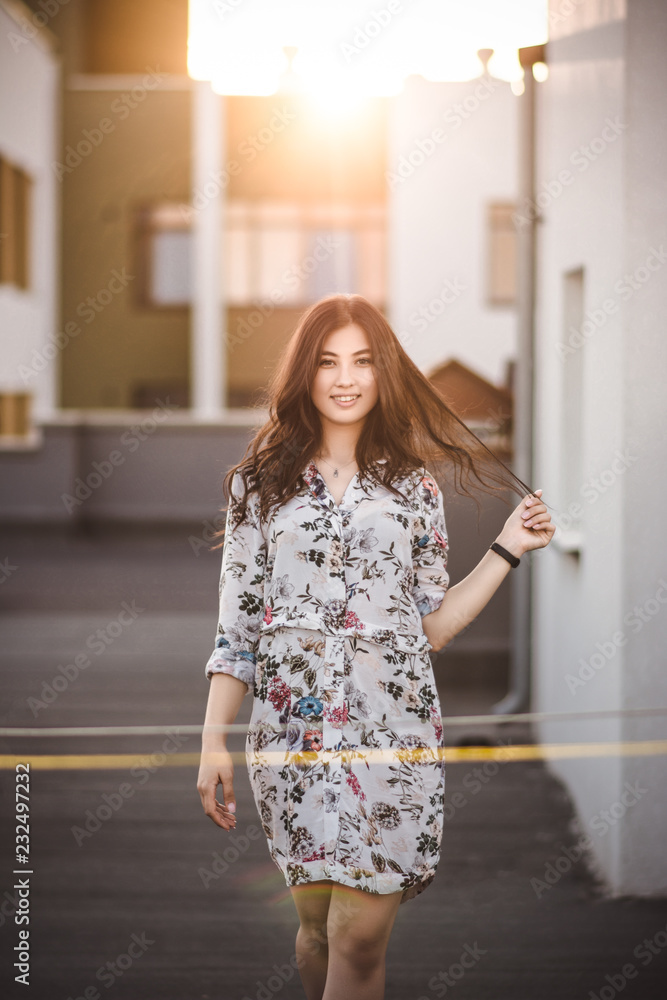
column 528, row 526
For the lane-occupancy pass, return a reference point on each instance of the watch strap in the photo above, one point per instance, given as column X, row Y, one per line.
column 513, row 560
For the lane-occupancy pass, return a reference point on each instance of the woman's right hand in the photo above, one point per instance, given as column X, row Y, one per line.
column 217, row 768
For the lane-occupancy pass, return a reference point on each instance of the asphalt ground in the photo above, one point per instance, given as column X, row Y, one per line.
column 136, row 895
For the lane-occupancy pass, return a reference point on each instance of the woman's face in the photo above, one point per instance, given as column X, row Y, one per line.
column 345, row 369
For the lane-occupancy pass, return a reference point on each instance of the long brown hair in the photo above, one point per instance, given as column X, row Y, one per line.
column 410, row 426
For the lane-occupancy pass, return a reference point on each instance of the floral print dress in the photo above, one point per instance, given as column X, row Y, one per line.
column 320, row 615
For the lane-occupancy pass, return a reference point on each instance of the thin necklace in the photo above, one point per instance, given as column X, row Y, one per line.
column 335, row 470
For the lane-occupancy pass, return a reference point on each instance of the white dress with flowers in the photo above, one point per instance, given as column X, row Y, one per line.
column 320, row 615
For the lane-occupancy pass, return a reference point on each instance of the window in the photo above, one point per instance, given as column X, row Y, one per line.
column 163, row 247
column 572, row 402
column 502, row 261
column 15, row 197
column 296, row 253
column 291, row 254
column 14, row 415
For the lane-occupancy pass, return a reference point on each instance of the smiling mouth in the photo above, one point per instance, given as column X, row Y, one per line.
column 346, row 399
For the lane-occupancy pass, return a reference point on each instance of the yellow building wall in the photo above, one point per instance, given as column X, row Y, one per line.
column 125, row 36
column 145, row 157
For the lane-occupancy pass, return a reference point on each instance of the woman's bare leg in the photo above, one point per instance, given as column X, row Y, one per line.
column 359, row 925
column 312, row 905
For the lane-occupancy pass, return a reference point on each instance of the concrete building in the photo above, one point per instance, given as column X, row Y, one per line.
column 452, row 178
column 30, row 82
column 600, row 211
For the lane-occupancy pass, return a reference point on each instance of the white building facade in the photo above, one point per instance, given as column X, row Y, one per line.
column 29, row 143
column 600, row 589
column 452, row 160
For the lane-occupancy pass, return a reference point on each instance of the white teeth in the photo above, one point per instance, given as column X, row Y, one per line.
column 344, row 399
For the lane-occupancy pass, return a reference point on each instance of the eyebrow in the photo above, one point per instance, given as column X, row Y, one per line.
column 365, row 350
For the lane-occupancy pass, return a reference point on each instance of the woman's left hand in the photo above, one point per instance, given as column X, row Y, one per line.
column 528, row 526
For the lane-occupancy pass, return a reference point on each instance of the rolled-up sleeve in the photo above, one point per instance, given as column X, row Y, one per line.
column 430, row 547
column 241, row 591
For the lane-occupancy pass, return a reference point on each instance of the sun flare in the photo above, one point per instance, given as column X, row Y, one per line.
column 345, row 50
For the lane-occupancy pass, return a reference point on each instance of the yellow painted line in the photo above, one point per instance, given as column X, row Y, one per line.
column 99, row 761
column 152, row 762
column 557, row 751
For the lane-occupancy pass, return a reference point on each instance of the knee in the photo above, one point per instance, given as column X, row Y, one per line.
column 361, row 950
column 312, row 936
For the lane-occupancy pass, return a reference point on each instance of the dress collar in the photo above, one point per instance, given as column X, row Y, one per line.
column 318, row 487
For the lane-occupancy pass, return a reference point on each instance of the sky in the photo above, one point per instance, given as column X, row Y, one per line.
column 340, row 48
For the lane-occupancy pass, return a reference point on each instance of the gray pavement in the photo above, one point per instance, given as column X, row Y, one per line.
column 136, row 895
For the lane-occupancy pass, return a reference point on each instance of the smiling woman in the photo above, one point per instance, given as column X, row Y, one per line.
column 343, row 346
column 333, row 590
column 344, row 381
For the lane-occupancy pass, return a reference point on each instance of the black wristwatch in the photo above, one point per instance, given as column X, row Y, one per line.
column 513, row 560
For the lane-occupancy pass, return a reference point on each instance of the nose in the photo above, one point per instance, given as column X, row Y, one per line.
column 344, row 378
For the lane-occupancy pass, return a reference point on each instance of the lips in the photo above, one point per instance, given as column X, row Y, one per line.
column 346, row 400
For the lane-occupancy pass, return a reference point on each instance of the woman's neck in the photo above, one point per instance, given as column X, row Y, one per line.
column 339, row 444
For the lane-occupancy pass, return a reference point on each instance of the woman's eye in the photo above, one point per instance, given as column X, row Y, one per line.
column 363, row 361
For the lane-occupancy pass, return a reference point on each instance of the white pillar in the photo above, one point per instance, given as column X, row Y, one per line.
column 207, row 357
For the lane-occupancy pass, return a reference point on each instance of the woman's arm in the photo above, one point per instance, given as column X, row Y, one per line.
column 463, row 602
column 231, row 666
column 224, row 701
column 225, row 697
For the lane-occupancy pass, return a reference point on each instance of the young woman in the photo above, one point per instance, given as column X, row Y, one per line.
column 333, row 590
